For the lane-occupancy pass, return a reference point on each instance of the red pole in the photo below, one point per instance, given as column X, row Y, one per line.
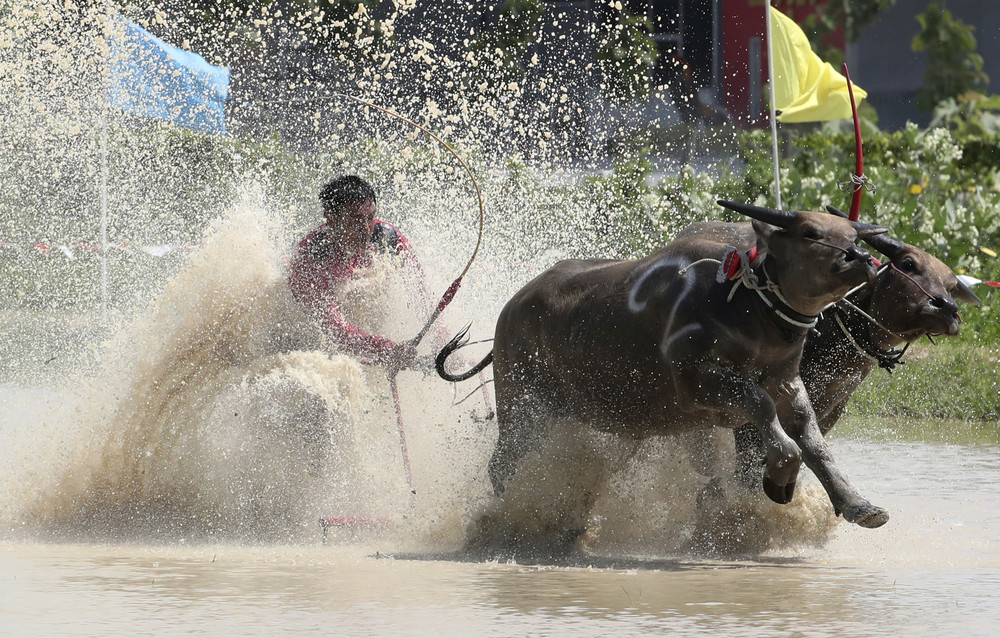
column 859, row 164
column 402, row 433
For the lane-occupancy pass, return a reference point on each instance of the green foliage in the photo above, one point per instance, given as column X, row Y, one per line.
column 623, row 224
column 625, row 58
column 953, row 66
column 924, row 192
column 505, row 44
column 969, row 115
column 955, row 380
column 853, row 17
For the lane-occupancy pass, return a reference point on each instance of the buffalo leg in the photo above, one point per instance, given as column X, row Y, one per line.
column 521, row 423
column 800, row 422
column 705, row 384
column 749, row 455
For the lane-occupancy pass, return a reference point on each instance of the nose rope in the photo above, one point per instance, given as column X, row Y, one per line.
column 886, row 359
column 823, row 243
column 929, row 295
column 914, row 281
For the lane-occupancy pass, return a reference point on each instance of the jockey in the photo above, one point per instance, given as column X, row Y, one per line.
column 328, row 256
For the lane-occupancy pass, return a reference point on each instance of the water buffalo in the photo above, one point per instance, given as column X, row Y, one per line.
column 664, row 344
column 914, row 294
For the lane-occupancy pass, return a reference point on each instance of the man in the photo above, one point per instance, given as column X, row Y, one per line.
column 328, row 256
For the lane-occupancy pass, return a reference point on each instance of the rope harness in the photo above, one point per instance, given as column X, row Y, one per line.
column 886, row 359
column 737, row 267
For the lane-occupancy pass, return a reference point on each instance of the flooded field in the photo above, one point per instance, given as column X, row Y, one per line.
column 173, row 429
column 933, row 570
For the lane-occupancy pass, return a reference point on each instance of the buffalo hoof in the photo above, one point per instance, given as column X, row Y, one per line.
column 866, row 515
column 780, row 494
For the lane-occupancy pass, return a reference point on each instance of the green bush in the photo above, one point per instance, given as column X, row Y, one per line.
column 932, row 189
column 955, row 380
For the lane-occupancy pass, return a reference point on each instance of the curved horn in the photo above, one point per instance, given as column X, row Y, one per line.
column 836, row 211
column 964, row 294
column 867, row 231
column 888, row 246
column 773, row 216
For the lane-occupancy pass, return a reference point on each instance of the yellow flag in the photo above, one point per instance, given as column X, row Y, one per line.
column 806, row 89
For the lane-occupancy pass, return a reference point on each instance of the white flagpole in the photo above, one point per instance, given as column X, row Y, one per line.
column 774, row 121
column 104, row 213
column 103, row 196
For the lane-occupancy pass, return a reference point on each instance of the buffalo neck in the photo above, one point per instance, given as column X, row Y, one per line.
column 779, row 309
column 861, row 335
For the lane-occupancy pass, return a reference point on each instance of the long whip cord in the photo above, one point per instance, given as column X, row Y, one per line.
column 449, row 294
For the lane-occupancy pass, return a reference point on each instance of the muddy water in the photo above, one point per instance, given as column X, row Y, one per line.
column 933, row 570
column 176, row 490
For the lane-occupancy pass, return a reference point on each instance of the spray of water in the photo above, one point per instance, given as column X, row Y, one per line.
column 215, row 410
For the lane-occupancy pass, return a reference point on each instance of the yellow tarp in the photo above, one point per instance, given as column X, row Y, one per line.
column 806, row 89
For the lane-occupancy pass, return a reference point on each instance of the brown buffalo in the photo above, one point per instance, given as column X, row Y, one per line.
column 913, row 295
column 659, row 345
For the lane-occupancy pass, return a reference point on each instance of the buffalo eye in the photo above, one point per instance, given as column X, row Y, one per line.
column 906, row 264
column 811, row 233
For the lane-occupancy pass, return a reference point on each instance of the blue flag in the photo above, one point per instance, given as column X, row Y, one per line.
column 150, row 77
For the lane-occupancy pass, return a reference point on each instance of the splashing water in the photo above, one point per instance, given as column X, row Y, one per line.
column 219, row 411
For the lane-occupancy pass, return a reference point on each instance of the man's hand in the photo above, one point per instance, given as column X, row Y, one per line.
column 402, row 356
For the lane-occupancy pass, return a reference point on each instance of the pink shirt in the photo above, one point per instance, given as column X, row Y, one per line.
column 320, row 266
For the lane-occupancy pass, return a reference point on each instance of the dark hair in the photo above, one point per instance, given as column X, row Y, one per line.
column 346, row 189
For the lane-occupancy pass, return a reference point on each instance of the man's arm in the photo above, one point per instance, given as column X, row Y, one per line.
column 376, row 349
column 310, row 282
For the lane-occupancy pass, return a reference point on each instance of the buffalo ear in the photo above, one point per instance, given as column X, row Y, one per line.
column 964, row 294
column 763, row 231
column 773, row 216
column 836, row 211
column 888, row 246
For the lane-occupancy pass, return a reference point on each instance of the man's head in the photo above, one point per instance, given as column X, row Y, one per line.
column 349, row 208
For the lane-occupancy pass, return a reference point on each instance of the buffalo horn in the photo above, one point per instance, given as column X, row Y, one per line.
column 888, row 246
column 964, row 294
column 867, row 231
column 773, row 216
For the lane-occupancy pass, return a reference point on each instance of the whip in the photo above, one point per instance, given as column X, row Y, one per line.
column 448, row 295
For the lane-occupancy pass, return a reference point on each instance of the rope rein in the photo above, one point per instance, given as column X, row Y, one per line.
column 886, row 359
column 912, row 280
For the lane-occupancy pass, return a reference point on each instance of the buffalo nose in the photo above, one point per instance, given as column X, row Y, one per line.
column 856, row 252
column 944, row 302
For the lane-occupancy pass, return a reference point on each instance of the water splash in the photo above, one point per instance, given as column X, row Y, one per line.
column 217, row 411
